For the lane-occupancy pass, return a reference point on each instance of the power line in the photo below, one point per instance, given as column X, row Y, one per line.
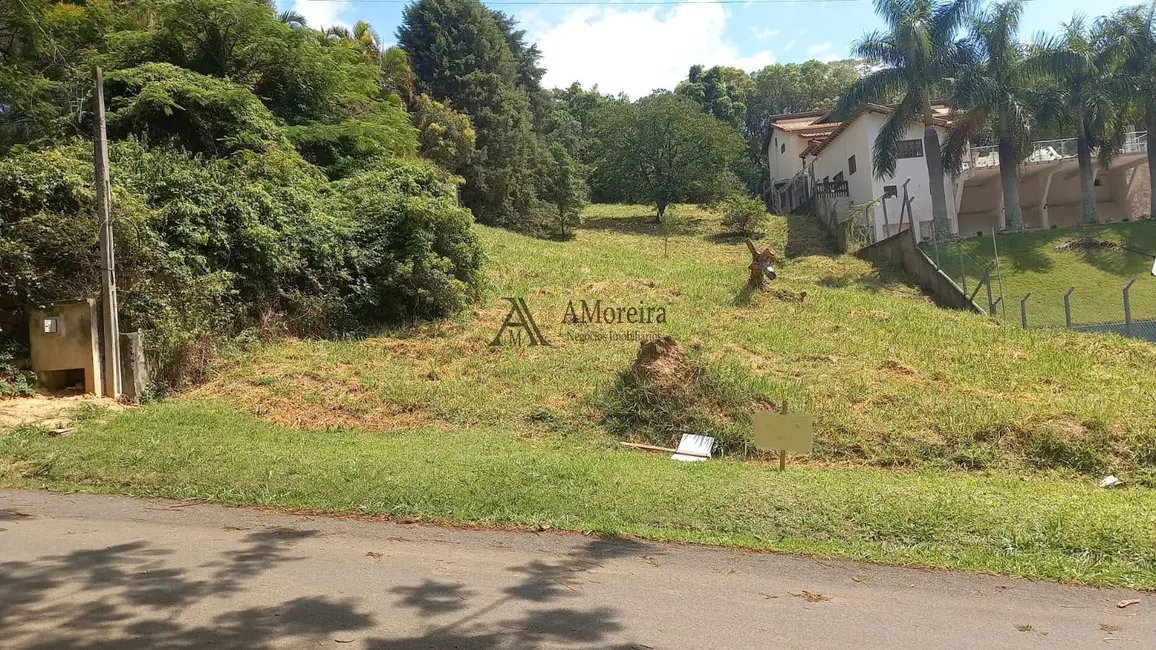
column 611, row 3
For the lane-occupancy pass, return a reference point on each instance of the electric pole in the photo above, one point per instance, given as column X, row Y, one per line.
column 111, row 330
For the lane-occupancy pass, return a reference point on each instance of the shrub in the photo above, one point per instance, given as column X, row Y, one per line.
column 207, row 248
column 14, row 382
column 744, row 214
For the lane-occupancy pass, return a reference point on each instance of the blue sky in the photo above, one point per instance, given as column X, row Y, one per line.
column 635, row 47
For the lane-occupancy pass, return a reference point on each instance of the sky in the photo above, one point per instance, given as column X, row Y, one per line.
column 634, row 47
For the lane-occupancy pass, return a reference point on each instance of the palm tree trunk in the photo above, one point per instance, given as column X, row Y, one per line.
column 1009, row 179
column 1087, row 183
column 931, row 151
column 1150, row 124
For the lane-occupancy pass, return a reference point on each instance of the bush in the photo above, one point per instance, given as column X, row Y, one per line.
column 744, row 214
column 417, row 256
column 14, row 382
column 207, row 248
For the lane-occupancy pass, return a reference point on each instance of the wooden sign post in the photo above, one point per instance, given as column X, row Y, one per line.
column 782, row 433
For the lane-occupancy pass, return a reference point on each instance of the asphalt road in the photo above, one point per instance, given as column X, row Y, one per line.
column 91, row 571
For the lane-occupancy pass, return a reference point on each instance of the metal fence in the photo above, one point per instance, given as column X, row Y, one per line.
column 974, row 264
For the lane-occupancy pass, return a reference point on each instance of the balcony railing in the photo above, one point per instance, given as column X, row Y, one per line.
column 836, row 188
column 1046, row 151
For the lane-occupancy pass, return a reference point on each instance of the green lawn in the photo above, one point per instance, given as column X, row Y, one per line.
column 942, row 438
column 1032, row 264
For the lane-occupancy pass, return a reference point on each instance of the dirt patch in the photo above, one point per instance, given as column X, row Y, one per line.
column 46, row 410
column 663, row 362
column 894, row 366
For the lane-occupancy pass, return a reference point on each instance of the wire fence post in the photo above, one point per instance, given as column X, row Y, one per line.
column 1024, row 310
column 987, row 282
column 1128, row 307
column 1068, row 307
column 998, row 272
column 935, row 244
column 963, row 266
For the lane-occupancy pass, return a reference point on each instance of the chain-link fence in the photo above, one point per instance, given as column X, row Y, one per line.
column 974, row 263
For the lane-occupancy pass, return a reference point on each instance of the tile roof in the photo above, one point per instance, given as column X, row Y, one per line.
column 939, row 110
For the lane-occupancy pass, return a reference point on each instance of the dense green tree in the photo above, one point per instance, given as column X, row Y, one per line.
column 564, row 187
column 721, row 91
column 445, row 135
column 994, row 90
column 918, row 51
column 460, row 51
column 663, row 149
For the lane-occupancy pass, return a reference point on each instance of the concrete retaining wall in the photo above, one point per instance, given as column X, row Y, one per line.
column 899, row 250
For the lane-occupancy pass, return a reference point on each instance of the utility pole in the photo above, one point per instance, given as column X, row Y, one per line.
column 112, row 386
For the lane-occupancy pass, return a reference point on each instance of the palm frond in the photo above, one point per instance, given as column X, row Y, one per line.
column 876, row 86
column 965, row 126
column 885, row 154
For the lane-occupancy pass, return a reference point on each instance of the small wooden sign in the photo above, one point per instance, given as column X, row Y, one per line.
column 781, row 432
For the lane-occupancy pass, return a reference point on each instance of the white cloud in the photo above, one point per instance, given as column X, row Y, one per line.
column 765, row 34
column 636, row 51
column 822, row 52
column 322, row 13
column 790, row 46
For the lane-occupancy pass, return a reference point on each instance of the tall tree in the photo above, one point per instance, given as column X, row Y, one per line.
column 994, row 91
column 459, row 51
column 1087, row 95
column 662, row 149
column 918, row 52
column 1136, row 27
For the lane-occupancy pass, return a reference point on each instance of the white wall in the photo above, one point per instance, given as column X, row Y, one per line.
column 784, row 165
column 858, row 140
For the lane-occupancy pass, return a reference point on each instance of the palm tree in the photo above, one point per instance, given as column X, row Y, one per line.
column 918, row 53
column 1087, row 94
column 292, row 19
column 399, row 76
column 993, row 91
column 1136, row 28
column 366, row 39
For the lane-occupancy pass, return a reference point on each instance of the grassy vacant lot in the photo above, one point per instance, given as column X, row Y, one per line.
column 942, row 438
column 1035, row 263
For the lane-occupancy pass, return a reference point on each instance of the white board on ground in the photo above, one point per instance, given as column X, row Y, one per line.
column 692, row 449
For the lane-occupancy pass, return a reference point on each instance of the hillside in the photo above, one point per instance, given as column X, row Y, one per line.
column 942, row 438
column 890, row 378
column 1046, row 264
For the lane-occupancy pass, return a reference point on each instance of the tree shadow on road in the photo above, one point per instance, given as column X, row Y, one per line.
column 541, row 582
column 132, row 596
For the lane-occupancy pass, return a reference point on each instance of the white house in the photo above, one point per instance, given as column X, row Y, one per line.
column 807, row 152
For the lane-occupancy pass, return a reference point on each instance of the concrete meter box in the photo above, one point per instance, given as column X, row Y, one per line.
column 65, row 345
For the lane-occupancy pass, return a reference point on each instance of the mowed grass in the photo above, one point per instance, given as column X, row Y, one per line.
column 941, row 438
column 1032, row 264
column 1032, row 526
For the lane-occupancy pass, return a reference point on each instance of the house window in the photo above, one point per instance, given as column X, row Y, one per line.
column 783, row 148
column 851, row 167
column 1098, row 182
column 910, row 149
column 839, row 177
column 890, row 191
